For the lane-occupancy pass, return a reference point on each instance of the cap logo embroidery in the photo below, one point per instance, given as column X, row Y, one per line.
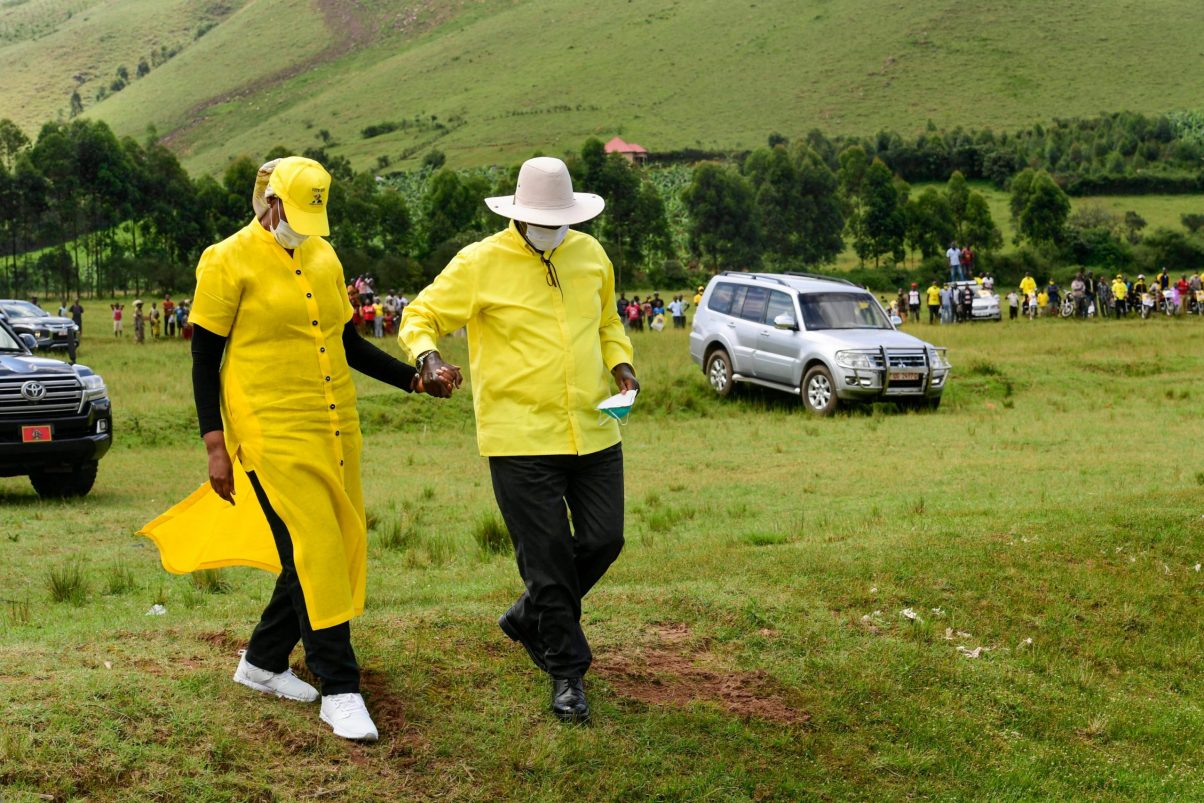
column 317, row 193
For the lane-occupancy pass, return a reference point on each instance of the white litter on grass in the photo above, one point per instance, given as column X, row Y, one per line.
column 156, row 610
column 108, row 664
column 1028, row 642
column 974, row 653
column 1197, row 567
column 950, row 634
column 908, row 613
column 1132, row 559
column 1166, row 569
column 939, row 611
column 874, row 590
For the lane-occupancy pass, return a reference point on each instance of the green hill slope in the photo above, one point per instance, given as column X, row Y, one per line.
column 494, row 80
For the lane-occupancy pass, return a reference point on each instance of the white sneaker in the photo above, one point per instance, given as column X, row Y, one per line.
column 282, row 684
column 348, row 716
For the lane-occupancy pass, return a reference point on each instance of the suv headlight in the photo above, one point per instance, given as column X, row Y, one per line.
column 937, row 359
column 854, row 359
column 94, row 387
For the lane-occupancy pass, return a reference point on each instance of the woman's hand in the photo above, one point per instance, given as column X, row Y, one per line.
column 221, row 470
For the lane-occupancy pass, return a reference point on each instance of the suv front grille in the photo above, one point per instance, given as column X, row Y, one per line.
column 902, row 360
column 63, row 397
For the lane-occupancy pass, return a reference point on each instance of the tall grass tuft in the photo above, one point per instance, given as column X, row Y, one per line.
column 210, row 581
column 398, row 534
column 119, row 580
column 17, row 612
column 491, row 535
column 68, row 583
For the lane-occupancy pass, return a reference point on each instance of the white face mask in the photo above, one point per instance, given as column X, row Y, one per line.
column 286, row 237
column 545, row 239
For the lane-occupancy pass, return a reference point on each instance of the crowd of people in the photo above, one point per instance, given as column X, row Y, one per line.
column 650, row 312
column 372, row 314
column 171, row 320
column 1087, row 296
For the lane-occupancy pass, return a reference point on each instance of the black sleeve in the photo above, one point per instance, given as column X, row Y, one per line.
column 371, row 361
column 207, row 350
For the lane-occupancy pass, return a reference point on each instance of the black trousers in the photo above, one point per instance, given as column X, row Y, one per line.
column 559, row 564
column 285, row 621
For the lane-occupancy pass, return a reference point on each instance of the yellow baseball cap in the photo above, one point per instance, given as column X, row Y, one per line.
column 303, row 186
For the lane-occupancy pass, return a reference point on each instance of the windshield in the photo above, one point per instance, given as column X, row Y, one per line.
column 7, row 343
column 841, row 311
column 23, row 309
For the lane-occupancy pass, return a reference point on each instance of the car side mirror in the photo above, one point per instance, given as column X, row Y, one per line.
column 785, row 321
column 896, row 320
column 30, row 341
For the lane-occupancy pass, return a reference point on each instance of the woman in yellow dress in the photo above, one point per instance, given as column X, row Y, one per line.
column 271, row 300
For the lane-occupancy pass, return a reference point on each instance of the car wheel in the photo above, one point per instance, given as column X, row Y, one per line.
column 819, row 392
column 719, row 372
column 77, row 481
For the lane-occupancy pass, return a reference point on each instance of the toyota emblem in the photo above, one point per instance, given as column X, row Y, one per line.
column 34, row 391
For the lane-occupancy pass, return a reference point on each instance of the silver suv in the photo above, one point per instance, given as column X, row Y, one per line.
column 824, row 339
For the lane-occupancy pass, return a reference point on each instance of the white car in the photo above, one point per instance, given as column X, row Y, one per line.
column 986, row 302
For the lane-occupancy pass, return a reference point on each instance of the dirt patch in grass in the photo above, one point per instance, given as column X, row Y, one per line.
column 224, row 641
column 667, row 672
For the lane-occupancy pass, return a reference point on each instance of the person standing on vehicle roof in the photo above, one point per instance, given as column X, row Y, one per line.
column 544, row 342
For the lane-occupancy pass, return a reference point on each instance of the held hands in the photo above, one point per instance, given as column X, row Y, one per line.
column 221, row 470
column 438, row 378
column 624, row 376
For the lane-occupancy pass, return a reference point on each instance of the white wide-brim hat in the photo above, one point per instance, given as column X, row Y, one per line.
column 544, row 196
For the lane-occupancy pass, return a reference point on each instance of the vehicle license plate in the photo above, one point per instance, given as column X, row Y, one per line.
column 905, row 377
column 36, row 434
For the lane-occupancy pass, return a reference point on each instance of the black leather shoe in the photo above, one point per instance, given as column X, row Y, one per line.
column 530, row 641
column 568, row 700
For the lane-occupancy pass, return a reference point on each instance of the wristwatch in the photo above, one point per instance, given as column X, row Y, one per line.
column 422, row 358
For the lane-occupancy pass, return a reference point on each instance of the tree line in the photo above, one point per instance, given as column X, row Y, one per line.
column 83, row 211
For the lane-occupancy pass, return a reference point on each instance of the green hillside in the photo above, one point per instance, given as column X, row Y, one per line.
column 494, row 80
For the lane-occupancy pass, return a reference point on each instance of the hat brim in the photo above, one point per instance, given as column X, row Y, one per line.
column 585, row 206
column 306, row 221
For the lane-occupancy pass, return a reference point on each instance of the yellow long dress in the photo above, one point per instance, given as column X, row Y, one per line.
column 288, row 408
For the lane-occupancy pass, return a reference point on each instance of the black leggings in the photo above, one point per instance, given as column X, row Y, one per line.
column 285, row 621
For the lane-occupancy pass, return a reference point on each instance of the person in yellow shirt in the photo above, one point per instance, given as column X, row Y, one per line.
column 544, row 341
column 934, row 302
column 1120, row 295
column 1042, row 303
column 1028, row 285
column 272, row 350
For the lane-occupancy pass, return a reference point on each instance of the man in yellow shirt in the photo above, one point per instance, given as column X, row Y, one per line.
column 934, row 302
column 544, row 340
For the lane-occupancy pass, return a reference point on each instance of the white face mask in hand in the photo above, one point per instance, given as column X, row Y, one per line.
column 545, row 239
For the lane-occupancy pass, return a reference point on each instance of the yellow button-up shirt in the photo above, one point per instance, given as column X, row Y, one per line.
column 541, row 341
column 288, row 409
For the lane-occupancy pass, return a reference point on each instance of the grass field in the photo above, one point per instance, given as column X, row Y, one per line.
column 509, row 77
column 750, row 643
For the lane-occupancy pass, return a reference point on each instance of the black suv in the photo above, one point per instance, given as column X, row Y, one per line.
column 51, row 331
column 55, row 419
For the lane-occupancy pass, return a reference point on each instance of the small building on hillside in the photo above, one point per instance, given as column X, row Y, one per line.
column 628, row 150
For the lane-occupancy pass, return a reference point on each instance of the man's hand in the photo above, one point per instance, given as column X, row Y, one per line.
column 624, row 376
column 221, row 470
column 438, row 378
